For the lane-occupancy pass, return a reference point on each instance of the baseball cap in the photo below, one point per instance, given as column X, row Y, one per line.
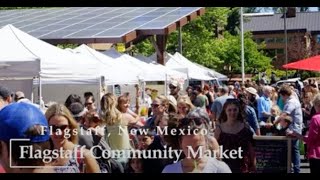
column 17, row 118
column 19, row 95
column 4, row 92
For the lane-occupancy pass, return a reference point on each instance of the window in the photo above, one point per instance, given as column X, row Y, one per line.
column 270, row 40
column 318, row 38
column 280, row 40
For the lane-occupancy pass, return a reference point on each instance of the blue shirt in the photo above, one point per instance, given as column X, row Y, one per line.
column 252, row 118
column 264, row 105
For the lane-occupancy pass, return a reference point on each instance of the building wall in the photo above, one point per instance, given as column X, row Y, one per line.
column 275, row 46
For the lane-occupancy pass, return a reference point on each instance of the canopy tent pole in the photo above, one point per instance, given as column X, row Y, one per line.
column 40, row 92
column 100, row 89
column 166, row 86
column 32, row 94
column 41, row 105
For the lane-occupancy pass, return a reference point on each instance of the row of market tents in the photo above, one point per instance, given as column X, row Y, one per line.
column 26, row 61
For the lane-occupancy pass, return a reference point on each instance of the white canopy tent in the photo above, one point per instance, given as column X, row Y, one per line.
column 172, row 73
column 15, row 60
column 149, row 72
column 194, row 72
column 17, row 69
column 205, row 70
column 114, row 71
column 52, row 65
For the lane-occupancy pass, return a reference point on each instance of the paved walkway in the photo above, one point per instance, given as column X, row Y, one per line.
column 304, row 166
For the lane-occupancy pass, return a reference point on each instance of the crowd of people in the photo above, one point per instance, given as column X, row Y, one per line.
column 230, row 116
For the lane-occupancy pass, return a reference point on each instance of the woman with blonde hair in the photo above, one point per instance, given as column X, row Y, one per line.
column 184, row 106
column 123, row 106
column 113, row 119
column 114, row 115
column 64, row 137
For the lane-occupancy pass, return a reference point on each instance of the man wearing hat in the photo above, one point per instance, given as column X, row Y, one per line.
column 5, row 97
column 23, row 121
column 174, row 87
column 253, row 97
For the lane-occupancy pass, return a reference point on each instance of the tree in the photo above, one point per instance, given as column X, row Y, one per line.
column 233, row 25
column 230, row 52
column 301, row 47
column 201, row 45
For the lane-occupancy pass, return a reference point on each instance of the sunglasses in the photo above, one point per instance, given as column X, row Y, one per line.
column 172, row 87
column 155, row 105
column 86, row 104
column 62, row 127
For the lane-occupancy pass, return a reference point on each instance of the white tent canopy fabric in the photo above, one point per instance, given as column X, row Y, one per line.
column 214, row 73
column 172, row 73
column 55, row 64
column 205, row 70
column 194, row 72
column 113, row 71
column 16, row 61
column 149, row 72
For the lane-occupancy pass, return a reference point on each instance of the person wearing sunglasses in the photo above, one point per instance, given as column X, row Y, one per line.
column 174, row 87
column 159, row 107
column 234, row 133
column 89, row 101
column 195, row 142
column 184, row 106
column 65, row 136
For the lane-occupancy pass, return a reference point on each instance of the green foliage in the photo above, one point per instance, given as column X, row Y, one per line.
column 233, row 25
column 64, row 46
column 201, row 45
column 145, row 48
column 231, row 54
column 9, row 8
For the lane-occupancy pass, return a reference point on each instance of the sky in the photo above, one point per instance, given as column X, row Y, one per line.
column 311, row 9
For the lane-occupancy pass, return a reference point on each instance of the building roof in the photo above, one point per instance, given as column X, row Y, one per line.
column 98, row 24
column 305, row 21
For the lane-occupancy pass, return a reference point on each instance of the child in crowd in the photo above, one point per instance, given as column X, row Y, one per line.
column 268, row 127
column 281, row 127
column 135, row 164
column 149, row 141
column 275, row 113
